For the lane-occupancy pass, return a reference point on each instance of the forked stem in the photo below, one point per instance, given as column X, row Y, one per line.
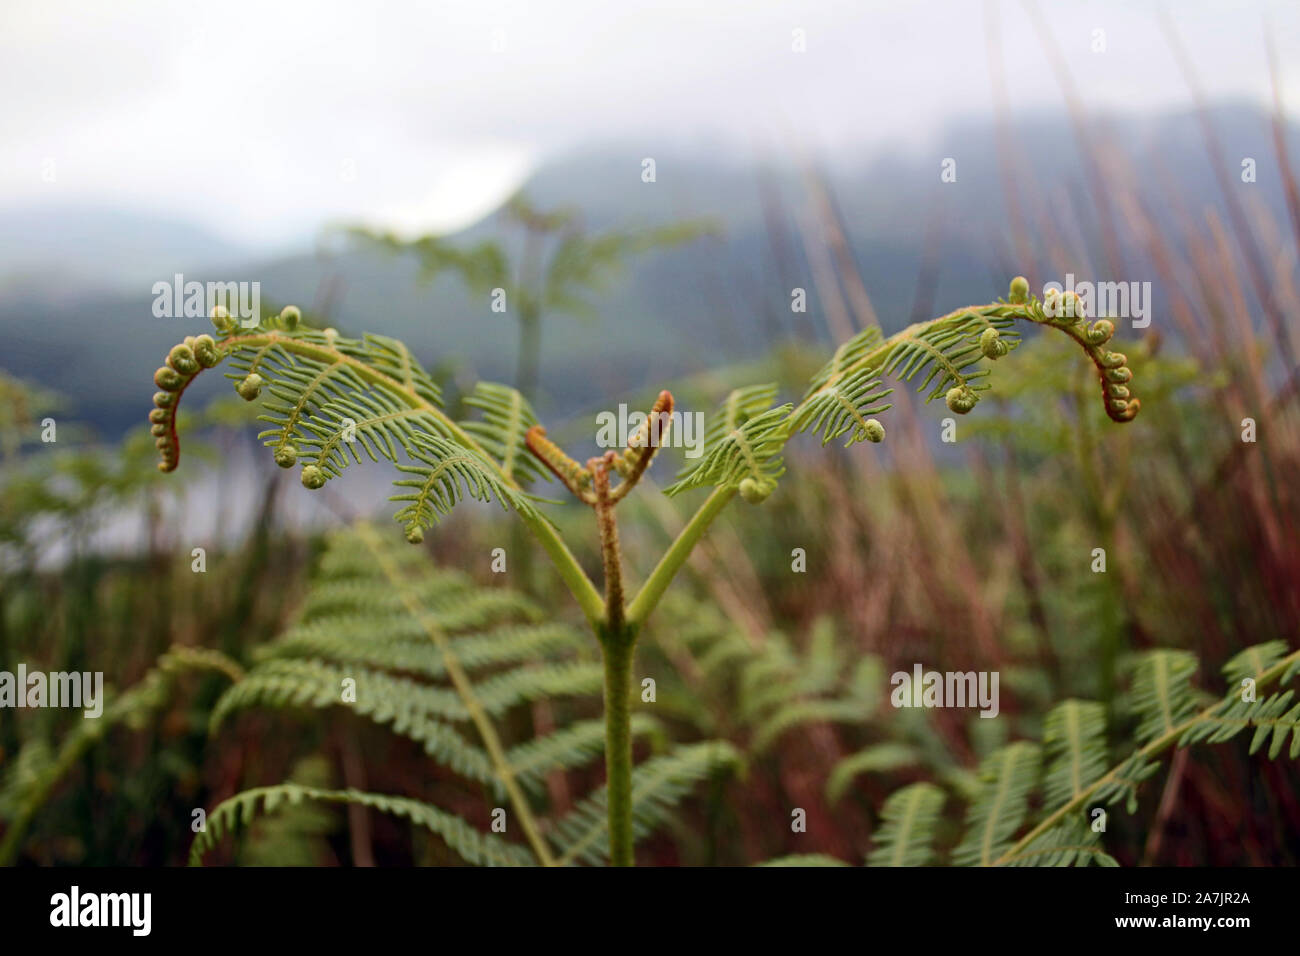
column 618, row 646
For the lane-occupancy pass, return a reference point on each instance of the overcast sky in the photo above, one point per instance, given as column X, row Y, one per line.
column 260, row 120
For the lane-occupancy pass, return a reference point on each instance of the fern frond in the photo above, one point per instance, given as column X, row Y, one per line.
column 384, row 698
column 1074, row 738
column 845, row 404
column 802, row 712
column 848, row 357
column 471, row 844
column 1163, row 696
column 1273, row 717
column 736, row 409
column 329, row 399
column 878, row 758
column 747, row 457
column 39, row 769
column 1252, row 662
column 408, row 708
column 1006, row 778
column 448, row 472
column 910, row 817
column 568, row 679
column 405, row 649
column 658, row 785
column 568, row 748
column 507, row 417
column 446, row 603
column 1072, row 843
column 804, row 859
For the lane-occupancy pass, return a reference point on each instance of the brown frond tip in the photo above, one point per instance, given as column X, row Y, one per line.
column 642, row 444
column 576, row 478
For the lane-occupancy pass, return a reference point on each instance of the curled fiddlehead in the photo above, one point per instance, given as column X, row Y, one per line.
column 331, row 399
column 947, row 355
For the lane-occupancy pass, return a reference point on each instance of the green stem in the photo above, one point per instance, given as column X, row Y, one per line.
column 676, row 556
column 619, row 648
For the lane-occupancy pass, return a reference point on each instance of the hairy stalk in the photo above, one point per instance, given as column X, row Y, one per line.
column 465, row 689
column 1150, row 750
column 610, row 555
column 618, row 645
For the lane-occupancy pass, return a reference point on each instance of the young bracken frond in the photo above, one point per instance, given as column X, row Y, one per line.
column 845, row 404
column 739, row 407
column 945, row 355
column 747, row 457
column 470, row 843
column 329, row 399
column 359, row 640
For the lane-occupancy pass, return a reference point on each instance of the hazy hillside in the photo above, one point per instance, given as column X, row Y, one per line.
column 718, row 300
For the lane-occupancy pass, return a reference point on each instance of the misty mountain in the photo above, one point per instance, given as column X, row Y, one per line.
column 76, row 306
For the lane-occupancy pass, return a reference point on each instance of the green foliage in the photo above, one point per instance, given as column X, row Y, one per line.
column 1074, row 736
column 658, row 785
column 804, row 859
column 749, row 453
column 1006, row 779
column 388, row 637
column 561, row 277
column 38, row 769
column 1168, row 713
column 475, row 847
column 908, row 819
column 767, row 688
column 325, row 394
column 946, row 355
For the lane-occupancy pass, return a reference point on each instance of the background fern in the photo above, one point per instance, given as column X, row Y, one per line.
column 1167, row 710
column 380, row 616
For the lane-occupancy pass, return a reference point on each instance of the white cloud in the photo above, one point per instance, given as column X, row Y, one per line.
column 246, row 115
